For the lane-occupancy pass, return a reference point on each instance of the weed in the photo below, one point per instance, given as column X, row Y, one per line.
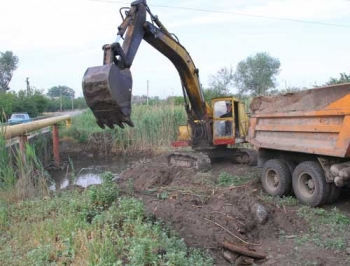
column 7, row 172
column 155, row 127
column 328, row 229
column 40, row 255
column 283, row 201
column 225, row 179
column 107, row 177
column 55, row 232
column 130, row 187
column 163, row 195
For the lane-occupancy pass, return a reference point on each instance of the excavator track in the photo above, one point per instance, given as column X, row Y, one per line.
column 196, row 160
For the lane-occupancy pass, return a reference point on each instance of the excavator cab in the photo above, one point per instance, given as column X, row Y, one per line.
column 230, row 123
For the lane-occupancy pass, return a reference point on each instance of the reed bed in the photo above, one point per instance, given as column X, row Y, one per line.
column 155, row 128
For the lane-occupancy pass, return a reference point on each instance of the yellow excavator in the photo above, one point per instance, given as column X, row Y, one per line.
column 213, row 130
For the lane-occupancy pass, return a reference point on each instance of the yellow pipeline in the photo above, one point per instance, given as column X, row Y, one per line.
column 21, row 129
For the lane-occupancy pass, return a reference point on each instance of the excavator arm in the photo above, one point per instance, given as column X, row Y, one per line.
column 108, row 88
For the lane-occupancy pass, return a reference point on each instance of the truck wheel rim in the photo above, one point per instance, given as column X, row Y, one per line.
column 306, row 185
column 272, row 180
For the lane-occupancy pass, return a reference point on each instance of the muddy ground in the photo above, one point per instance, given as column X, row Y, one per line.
column 205, row 214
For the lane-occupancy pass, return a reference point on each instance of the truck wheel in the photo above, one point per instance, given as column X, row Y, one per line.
column 309, row 184
column 291, row 166
column 276, row 178
column 334, row 193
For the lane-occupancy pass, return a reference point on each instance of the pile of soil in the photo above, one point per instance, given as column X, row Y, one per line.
column 307, row 100
column 206, row 215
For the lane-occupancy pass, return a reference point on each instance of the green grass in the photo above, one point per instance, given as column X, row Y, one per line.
column 225, row 179
column 284, row 201
column 155, row 127
column 328, row 229
column 96, row 227
column 22, row 175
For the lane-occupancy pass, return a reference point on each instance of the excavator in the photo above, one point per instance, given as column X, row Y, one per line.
column 213, row 131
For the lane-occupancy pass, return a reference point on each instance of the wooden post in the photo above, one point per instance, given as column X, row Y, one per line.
column 56, row 148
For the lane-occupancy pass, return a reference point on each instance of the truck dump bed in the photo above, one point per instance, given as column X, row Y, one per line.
column 315, row 121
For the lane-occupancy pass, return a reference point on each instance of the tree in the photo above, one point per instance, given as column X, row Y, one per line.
column 25, row 104
column 8, row 64
column 7, row 103
column 222, row 81
column 344, row 78
column 61, row 91
column 257, row 74
column 40, row 100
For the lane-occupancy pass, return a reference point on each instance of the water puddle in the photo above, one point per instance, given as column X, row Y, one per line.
column 87, row 170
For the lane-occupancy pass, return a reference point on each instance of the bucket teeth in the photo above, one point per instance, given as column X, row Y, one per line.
column 129, row 122
column 101, row 125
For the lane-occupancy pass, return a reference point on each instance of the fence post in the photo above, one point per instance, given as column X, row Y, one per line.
column 56, row 148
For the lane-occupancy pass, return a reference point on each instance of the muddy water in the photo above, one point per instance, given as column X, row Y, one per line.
column 87, row 170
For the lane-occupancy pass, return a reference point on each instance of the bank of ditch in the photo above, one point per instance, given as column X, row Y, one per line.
column 154, row 214
column 92, row 226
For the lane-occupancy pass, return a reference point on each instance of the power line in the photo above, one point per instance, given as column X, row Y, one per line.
column 236, row 14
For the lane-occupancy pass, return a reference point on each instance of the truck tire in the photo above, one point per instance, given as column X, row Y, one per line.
column 334, row 193
column 309, row 184
column 291, row 166
column 276, row 178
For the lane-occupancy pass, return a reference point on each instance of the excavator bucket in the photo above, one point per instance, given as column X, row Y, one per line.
column 107, row 91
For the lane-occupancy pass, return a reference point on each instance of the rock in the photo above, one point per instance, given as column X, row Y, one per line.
column 260, row 213
column 348, row 251
column 230, row 256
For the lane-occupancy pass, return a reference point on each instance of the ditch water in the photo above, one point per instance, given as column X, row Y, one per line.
column 84, row 170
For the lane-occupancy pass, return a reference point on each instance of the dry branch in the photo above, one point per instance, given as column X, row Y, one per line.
column 232, row 234
column 243, row 250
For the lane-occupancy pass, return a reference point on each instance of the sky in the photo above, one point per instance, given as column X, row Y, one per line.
column 57, row 40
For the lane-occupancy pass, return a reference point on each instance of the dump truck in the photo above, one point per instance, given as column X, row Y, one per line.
column 303, row 142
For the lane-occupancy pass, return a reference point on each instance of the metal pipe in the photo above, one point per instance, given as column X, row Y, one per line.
column 21, row 129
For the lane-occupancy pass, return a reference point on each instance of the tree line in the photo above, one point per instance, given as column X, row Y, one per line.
column 253, row 76
column 35, row 103
column 32, row 101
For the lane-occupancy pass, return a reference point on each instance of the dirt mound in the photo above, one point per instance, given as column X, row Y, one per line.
column 205, row 214
column 307, row 100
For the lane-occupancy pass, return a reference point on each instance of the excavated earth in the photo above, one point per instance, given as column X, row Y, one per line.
column 205, row 214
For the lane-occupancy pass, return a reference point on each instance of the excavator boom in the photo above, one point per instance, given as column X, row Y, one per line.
column 108, row 88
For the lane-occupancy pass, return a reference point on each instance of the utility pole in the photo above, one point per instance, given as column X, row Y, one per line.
column 28, row 86
column 61, row 99
column 147, row 90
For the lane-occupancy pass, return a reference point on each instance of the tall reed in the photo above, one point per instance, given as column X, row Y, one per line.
column 155, row 128
column 22, row 175
column 32, row 177
column 7, row 172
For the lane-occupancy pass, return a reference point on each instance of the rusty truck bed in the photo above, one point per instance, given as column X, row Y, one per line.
column 315, row 121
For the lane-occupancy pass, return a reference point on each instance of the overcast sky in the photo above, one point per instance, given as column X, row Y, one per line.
column 57, row 40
